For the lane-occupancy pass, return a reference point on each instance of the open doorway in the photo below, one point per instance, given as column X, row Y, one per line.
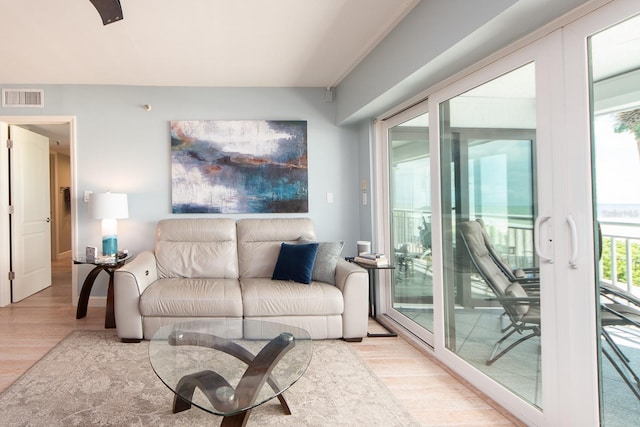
column 59, row 132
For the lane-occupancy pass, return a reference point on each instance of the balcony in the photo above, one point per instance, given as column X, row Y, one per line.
column 478, row 320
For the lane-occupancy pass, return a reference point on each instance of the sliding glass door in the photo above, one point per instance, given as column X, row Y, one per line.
column 408, row 215
column 610, row 45
column 489, row 205
column 512, row 217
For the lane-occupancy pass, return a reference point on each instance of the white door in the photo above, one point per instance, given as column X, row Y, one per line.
column 491, row 140
column 602, row 53
column 404, row 156
column 30, row 221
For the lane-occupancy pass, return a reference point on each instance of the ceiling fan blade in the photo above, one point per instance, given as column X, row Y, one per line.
column 110, row 10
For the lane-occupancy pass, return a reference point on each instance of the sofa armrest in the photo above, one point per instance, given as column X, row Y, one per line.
column 130, row 281
column 353, row 281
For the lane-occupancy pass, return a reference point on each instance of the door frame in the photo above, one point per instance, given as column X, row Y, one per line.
column 5, row 249
column 544, row 54
column 383, row 214
column 581, row 280
column 566, row 101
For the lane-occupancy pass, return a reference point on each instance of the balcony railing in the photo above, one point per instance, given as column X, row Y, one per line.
column 618, row 267
column 513, row 237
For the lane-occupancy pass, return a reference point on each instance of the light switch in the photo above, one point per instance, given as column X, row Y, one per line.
column 87, row 195
column 329, row 197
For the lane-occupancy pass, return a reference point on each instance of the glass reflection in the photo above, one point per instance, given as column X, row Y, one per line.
column 410, row 196
column 491, row 289
column 615, row 90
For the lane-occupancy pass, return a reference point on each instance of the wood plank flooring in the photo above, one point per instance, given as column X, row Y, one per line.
column 30, row 328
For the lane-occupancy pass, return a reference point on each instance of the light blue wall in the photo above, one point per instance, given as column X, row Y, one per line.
column 122, row 148
column 436, row 40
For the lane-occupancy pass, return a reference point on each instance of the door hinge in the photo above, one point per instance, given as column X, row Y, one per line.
column 9, row 143
column 12, row 275
column 11, row 210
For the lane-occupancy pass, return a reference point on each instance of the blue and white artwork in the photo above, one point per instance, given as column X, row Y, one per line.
column 221, row 166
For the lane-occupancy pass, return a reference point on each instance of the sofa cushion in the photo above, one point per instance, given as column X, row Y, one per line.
column 324, row 269
column 265, row 297
column 259, row 241
column 295, row 262
column 192, row 298
column 197, row 248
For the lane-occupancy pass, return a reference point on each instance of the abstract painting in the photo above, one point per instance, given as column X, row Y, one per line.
column 233, row 166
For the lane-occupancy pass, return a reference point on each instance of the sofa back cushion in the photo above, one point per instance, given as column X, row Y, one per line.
column 259, row 241
column 197, row 248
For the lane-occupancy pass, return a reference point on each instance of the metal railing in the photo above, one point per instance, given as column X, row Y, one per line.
column 407, row 229
column 629, row 234
column 514, row 238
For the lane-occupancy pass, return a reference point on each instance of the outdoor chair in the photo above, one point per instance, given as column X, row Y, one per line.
column 523, row 275
column 620, row 308
column 521, row 309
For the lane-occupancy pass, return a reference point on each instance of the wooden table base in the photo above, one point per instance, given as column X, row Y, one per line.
column 218, row 391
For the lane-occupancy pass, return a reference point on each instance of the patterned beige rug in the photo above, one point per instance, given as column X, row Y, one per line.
column 90, row 378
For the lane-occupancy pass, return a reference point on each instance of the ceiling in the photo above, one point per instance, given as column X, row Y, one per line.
column 232, row 43
column 216, row 43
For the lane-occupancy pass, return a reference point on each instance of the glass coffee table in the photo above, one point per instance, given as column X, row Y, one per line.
column 237, row 364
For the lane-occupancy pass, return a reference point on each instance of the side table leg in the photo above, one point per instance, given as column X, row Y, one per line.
column 110, row 316
column 83, row 300
column 373, row 313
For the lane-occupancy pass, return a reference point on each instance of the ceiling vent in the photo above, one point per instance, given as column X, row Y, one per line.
column 22, row 98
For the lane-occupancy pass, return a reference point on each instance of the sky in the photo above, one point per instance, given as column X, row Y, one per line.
column 617, row 164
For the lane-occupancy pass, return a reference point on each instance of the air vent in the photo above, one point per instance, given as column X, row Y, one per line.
column 22, row 98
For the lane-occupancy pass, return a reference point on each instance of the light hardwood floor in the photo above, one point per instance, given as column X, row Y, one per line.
column 30, row 328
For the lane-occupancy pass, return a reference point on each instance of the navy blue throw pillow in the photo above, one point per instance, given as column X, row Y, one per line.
column 295, row 262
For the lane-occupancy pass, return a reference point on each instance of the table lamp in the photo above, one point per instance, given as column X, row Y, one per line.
column 109, row 207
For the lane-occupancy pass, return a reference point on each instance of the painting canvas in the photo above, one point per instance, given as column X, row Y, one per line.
column 221, row 166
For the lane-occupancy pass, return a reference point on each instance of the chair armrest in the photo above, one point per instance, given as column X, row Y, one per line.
column 130, row 281
column 531, row 287
column 529, row 280
column 608, row 290
column 353, row 281
column 533, row 301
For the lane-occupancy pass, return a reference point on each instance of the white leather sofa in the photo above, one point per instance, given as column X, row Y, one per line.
column 221, row 268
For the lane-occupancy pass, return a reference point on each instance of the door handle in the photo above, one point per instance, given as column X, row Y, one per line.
column 48, row 219
column 536, row 231
column 573, row 259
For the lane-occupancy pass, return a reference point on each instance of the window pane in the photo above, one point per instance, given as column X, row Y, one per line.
column 411, row 220
column 492, row 298
column 615, row 127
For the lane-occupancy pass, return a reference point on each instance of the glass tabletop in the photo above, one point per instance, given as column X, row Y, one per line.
column 108, row 261
column 236, row 363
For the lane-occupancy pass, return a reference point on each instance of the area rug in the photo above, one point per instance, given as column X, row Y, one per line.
column 91, row 378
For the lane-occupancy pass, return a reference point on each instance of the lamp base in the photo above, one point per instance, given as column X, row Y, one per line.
column 109, row 245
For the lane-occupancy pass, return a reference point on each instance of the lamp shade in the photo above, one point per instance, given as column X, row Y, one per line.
column 108, row 206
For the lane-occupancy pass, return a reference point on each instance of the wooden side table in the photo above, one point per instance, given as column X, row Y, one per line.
column 83, row 300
